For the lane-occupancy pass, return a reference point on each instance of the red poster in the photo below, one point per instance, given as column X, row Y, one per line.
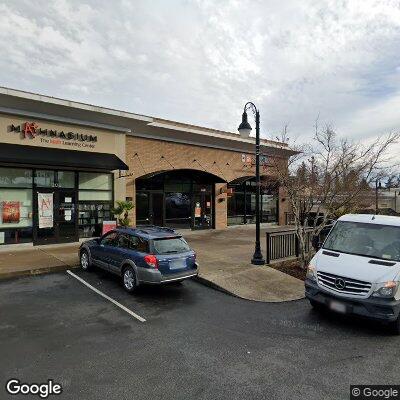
column 11, row 212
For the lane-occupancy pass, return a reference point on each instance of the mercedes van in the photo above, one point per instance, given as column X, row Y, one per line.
column 357, row 269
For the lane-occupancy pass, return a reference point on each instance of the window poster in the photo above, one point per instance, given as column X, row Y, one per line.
column 45, row 208
column 197, row 210
column 11, row 212
column 108, row 226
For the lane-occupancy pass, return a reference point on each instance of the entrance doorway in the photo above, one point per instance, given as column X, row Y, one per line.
column 150, row 208
column 179, row 199
column 55, row 216
column 202, row 210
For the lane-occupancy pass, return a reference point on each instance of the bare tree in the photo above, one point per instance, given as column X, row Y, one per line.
column 329, row 177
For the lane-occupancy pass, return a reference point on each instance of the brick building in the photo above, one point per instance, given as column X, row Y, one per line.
column 63, row 165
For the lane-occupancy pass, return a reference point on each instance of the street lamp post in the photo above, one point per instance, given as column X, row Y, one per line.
column 378, row 185
column 244, row 130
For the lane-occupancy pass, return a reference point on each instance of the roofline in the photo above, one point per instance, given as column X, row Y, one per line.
column 72, row 121
column 151, row 121
column 69, row 103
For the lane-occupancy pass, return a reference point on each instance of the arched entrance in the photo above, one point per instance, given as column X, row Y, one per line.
column 181, row 198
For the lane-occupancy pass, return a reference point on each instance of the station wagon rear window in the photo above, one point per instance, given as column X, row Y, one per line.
column 170, row 246
column 369, row 240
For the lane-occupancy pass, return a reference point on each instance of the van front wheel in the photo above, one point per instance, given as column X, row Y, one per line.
column 315, row 305
column 395, row 326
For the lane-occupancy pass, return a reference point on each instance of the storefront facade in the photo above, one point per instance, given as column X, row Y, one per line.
column 194, row 186
column 63, row 165
column 48, row 192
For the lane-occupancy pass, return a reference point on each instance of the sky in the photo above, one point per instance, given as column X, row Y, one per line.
column 199, row 62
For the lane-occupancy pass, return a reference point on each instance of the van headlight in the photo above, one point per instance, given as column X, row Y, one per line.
column 386, row 289
column 311, row 272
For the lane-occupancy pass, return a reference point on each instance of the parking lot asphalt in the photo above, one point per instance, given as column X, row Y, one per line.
column 196, row 343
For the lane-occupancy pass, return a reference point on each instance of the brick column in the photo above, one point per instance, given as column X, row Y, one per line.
column 221, row 207
column 131, row 192
column 283, row 206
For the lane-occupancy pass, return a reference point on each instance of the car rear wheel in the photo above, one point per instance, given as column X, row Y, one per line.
column 85, row 260
column 129, row 279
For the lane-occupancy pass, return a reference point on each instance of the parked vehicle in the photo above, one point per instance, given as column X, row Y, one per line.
column 357, row 269
column 148, row 255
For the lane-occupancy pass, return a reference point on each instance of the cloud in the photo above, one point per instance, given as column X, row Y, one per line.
column 200, row 61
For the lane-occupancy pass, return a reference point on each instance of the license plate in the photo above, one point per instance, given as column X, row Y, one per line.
column 337, row 306
column 177, row 264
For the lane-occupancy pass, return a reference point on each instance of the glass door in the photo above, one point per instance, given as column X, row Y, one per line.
column 157, row 209
column 55, row 216
column 202, row 210
column 65, row 216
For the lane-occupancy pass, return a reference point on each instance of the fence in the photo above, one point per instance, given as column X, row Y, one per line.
column 284, row 245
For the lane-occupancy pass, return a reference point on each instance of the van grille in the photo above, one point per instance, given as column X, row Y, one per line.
column 343, row 285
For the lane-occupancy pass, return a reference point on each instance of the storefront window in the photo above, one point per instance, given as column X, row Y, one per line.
column 269, row 208
column 90, row 195
column 11, row 177
column 179, row 187
column 178, row 209
column 15, row 205
column 95, row 181
column 242, row 203
column 91, row 217
column 178, row 199
column 44, row 178
column 95, row 202
column 66, row 179
column 142, row 208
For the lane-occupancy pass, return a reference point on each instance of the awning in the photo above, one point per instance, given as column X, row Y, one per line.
column 15, row 154
column 177, row 174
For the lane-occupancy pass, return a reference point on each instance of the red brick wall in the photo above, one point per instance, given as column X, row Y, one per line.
column 144, row 156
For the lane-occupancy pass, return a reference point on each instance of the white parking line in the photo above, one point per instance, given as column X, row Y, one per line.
column 141, row 319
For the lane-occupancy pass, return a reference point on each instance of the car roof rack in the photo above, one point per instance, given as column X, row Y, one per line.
column 147, row 228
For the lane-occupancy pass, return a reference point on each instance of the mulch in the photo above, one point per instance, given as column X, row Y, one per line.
column 291, row 268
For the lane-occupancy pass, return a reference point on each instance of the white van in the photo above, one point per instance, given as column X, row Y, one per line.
column 357, row 269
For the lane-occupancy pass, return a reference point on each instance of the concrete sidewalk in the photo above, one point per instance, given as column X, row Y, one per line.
column 37, row 260
column 224, row 258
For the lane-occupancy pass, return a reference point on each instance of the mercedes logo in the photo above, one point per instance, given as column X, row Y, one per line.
column 340, row 283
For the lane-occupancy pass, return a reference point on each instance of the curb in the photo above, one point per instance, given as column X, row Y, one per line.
column 36, row 271
column 213, row 285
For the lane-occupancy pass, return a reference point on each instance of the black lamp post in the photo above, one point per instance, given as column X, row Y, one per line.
column 378, row 186
column 244, row 130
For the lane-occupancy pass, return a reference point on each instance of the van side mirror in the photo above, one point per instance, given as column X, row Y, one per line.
column 316, row 243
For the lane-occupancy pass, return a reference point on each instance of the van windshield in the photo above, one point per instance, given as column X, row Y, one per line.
column 370, row 240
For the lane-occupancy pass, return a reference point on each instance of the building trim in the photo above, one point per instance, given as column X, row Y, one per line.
column 215, row 134
column 68, row 103
column 195, row 143
column 72, row 121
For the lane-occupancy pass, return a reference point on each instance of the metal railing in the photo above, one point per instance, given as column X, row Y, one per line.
column 283, row 245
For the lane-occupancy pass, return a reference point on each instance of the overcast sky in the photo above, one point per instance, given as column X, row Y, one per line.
column 200, row 61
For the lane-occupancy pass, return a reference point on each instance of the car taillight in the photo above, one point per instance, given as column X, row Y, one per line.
column 151, row 260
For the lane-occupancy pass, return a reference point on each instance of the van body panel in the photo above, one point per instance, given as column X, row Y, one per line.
column 351, row 283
